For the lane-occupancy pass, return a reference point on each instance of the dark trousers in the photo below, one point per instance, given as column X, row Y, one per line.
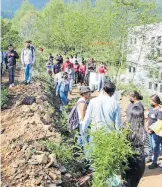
column 81, row 77
column 136, row 169
column 11, row 70
column 76, row 77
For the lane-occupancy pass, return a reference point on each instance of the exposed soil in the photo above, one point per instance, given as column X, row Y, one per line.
column 24, row 126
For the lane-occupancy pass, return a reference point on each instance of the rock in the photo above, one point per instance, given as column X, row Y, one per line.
column 18, row 147
column 2, row 130
column 47, row 118
column 53, row 176
column 34, row 107
column 39, row 147
column 52, row 158
column 25, row 147
column 41, row 159
column 63, row 169
column 18, row 103
column 28, row 154
column 14, row 165
column 68, row 176
column 52, row 185
column 38, row 181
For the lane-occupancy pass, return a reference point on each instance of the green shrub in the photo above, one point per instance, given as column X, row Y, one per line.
column 106, row 152
column 4, row 97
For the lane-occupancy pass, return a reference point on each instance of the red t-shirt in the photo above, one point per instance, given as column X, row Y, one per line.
column 76, row 67
column 101, row 69
column 82, row 69
column 65, row 65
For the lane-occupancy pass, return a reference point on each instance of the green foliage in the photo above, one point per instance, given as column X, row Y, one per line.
column 107, row 152
column 4, row 97
column 63, row 151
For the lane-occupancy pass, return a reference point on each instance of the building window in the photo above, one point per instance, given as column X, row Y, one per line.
column 129, row 69
column 135, row 40
column 150, row 85
column 159, row 40
column 161, row 88
column 155, row 87
column 134, row 69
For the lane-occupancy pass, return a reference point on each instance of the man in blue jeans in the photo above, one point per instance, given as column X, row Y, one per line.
column 28, row 59
column 10, row 59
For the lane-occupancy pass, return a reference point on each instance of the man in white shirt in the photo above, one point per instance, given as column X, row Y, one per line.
column 28, row 59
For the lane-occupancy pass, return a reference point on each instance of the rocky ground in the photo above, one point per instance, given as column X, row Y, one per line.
column 25, row 161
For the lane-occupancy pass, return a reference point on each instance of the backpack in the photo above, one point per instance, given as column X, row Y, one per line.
column 73, row 121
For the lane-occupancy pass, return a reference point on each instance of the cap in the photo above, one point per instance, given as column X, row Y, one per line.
column 84, row 89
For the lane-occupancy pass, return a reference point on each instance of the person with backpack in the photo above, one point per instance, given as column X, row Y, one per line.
column 28, row 59
column 63, row 87
column 10, row 58
column 76, row 70
column 101, row 76
column 78, row 112
column 103, row 110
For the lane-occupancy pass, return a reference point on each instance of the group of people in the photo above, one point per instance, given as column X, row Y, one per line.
column 27, row 59
column 75, row 73
column 104, row 110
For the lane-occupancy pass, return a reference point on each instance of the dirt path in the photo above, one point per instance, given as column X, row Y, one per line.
column 23, row 126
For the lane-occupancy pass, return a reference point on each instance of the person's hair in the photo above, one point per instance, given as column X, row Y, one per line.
column 50, row 54
column 137, row 95
column 28, row 41
column 10, row 45
column 83, row 62
column 67, row 58
column 156, row 99
column 137, row 134
column 109, row 88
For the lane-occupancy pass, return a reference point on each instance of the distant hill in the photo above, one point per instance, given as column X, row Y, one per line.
column 9, row 7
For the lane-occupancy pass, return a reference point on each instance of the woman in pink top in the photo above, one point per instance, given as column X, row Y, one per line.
column 101, row 76
column 82, row 72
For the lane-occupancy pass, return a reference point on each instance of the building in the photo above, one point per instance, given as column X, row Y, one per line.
column 144, row 57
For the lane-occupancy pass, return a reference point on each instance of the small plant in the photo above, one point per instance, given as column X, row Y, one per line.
column 4, row 97
column 63, row 151
column 107, row 151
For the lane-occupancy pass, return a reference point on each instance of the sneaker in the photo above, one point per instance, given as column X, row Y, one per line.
column 13, row 84
column 25, row 83
column 153, row 166
column 10, row 86
column 29, row 82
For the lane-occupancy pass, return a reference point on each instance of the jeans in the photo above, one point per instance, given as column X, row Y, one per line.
column 71, row 84
column 11, row 70
column 63, row 96
column 76, row 77
column 101, row 81
column 28, row 73
column 81, row 77
column 156, row 147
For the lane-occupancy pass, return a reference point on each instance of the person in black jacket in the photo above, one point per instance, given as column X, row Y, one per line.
column 10, row 58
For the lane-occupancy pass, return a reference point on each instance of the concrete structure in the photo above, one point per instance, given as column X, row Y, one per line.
column 144, row 57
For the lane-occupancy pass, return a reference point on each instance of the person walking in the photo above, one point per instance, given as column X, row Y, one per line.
column 103, row 110
column 154, row 115
column 82, row 72
column 63, row 88
column 76, row 71
column 10, row 59
column 137, row 137
column 71, row 75
column 28, row 59
column 101, row 76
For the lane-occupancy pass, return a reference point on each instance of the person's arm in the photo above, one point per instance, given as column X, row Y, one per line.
column 58, row 88
column 117, row 118
column 82, row 110
column 5, row 58
column 159, row 116
column 22, row 57
column 16, row 55
column 33, row 58
column 87, row 119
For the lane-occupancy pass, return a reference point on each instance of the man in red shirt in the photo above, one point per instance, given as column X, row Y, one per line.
column 65, row 65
